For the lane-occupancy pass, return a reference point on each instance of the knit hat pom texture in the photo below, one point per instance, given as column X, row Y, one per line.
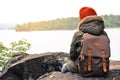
column 86, row 11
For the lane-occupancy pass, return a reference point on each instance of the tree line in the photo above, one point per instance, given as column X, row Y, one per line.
column 70, row 23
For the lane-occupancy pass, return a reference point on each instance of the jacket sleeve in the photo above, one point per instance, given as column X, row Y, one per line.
column 105, row 33
column 75, row 47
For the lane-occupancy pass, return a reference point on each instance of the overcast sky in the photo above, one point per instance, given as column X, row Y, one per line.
column 22, row 11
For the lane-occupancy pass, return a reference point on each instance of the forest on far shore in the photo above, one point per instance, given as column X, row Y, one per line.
column 70, row 23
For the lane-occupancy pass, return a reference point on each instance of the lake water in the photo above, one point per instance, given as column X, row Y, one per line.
column 55, row 41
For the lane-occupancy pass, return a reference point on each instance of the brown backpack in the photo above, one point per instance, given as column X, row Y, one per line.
column 94, row 55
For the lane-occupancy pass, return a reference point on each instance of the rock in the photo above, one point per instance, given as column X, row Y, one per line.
column 114, row 64
column 47, row 66
column 113, row 75
column 31, row 66
column 16, row 57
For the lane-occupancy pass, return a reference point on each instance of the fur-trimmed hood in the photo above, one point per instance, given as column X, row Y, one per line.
column 92, row 24
column 90, row 18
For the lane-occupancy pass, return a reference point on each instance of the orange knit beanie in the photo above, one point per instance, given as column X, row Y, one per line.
column 86, row 11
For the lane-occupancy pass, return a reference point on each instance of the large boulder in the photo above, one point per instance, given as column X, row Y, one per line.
column 47, row 66
column 113, row 75
column 30, row 67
